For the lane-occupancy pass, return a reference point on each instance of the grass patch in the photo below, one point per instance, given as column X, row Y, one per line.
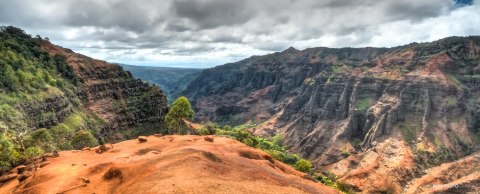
column 408, row 132
column 338, row 69
column 451, row 100
column 363, row 104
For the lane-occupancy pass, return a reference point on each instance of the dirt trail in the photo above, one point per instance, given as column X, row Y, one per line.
column 167, row 164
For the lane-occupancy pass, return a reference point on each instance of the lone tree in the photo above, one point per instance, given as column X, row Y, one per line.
column 181, row 109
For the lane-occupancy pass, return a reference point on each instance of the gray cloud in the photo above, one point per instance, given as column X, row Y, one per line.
column 207, row 14
column 219, row 31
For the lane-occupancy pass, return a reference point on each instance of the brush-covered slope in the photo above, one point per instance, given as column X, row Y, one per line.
column 165, row 164
column 53, row 99
column 170, row 79
column 362, row 113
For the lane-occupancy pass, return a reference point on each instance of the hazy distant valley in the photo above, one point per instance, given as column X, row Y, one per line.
column 171, row 80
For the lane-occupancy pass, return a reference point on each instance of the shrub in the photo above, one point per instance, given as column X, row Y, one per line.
column 303, row 165
column 63, row 135
column 287, row 158
column 32, row 152
column 9, row 156
column 83, row 139
column 331, row 180
column 75, row 122
column 209, row 128
column 249, row 142
column 277, row 140
column 40, row 138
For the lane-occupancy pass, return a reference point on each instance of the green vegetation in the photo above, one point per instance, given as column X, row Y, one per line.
column 62, row 135
column 83, row 139
column 331, row 180
column 451, row 100
column 180, row 110
column 427, row 159
column 25, row 67
column 329, row 81
column 208, row 129
column 408, row 132
column 9, row 155
column 303, row 165
column 363, row 104
column 28, row 76
column 346, row 152
column 274, row 147
column 339, row 69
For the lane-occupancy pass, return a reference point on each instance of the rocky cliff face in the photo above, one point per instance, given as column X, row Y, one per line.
column 54, row 99
column 363, row 114
column 111, row 93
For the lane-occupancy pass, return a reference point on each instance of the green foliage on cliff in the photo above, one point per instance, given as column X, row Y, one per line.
column 60, row 136
column 181, row 109
column 408, row 132
column 209, row 128
column 40, row 138
column 83, row 139
column 25, row 67
column 9, row 155
column 363, row 104
column 303, row 165
column 28, row 76
column 331, row 180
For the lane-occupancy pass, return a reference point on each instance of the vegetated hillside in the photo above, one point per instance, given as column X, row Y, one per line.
column 164, row 164
column 378, row 118
column 170, row 79
column 54, row 99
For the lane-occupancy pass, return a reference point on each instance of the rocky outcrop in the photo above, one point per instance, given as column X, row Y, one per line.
column 332, row 103
column 112, row 93
column 46, row 112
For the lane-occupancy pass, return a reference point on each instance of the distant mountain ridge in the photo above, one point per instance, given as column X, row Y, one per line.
column 364, row 114
column 171, row 80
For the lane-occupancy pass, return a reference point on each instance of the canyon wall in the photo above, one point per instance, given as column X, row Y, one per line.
column 361, row 113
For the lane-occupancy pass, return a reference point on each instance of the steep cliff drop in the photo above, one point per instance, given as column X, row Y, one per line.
column 378, row 118
column 53, row 99
column 113, row 94
column 165, row 164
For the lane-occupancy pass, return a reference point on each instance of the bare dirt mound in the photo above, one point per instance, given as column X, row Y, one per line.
column 168, row 164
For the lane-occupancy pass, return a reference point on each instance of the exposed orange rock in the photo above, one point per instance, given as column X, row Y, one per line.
column 167, row 164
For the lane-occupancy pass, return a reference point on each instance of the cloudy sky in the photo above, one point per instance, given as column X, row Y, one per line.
column 205, row 33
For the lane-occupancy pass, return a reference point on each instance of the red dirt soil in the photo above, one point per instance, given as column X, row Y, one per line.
column 167, row 164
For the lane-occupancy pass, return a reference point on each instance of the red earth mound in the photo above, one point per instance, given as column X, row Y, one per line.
column 166, row 164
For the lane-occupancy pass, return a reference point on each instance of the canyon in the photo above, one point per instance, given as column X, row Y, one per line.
column 404, row 119
column 378, row 118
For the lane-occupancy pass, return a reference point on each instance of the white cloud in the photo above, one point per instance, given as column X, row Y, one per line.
column 212, row 32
